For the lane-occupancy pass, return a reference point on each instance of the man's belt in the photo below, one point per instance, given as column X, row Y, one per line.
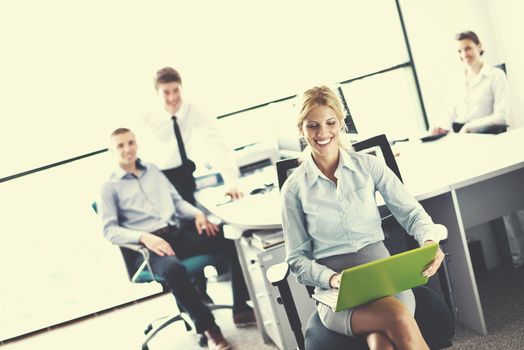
column 164, row 230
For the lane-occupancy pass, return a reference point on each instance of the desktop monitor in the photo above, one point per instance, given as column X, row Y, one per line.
column 350, row 123
column 284, row 115
column 250, row 134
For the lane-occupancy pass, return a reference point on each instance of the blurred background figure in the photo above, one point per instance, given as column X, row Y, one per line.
column 479, row 96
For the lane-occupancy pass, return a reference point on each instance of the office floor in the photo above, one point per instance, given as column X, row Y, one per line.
column 500, row 292
column 123, row 329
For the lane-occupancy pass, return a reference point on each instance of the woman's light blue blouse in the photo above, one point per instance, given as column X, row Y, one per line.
column 322, row 219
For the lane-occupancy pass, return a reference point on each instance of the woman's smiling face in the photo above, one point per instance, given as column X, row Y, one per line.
column 321, row 128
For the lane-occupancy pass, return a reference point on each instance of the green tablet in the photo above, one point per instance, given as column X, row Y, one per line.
column 379, row 278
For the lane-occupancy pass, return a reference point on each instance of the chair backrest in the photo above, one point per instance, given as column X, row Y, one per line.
column 283, row 169
column 285, row 165
column 502, row 66
column 497, row 129
column 382, row 142
column 194, row 265
column 394, row 241
column 130, row 257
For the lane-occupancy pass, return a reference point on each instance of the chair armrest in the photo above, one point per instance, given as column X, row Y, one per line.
column 445, row 281
column 137, row 247
column 277, row 274
column 133, row 246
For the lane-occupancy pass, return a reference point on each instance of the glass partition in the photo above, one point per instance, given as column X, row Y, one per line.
column 57, row 265
column 65, row 103
column 385, row 103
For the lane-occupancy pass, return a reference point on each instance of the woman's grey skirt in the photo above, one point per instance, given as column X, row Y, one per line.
column 340, row 322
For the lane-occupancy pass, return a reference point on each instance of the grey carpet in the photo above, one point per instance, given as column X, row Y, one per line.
column 502, row 296
column 501, row 292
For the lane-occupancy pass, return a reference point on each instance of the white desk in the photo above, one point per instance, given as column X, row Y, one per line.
column 259, row 212
column 485, row 177
column 461, row 180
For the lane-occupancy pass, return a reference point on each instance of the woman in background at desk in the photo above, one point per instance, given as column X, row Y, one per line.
column 331, row 222
column 481, row 104
column 480, row 101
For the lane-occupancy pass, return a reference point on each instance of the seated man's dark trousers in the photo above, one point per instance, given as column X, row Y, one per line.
column 186, row 242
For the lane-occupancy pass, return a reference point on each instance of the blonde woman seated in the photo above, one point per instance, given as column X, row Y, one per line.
column 331, row 222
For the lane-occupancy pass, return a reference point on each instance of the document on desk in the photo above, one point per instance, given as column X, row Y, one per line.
column 258, row 211
column 267, row 239
column 259, row 203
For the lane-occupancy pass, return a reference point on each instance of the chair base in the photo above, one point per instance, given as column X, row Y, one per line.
column 151, row 331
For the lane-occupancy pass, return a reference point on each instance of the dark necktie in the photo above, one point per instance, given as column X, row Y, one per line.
column 178, row 136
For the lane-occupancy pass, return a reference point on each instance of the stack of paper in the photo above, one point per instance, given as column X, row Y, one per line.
column 267, row 238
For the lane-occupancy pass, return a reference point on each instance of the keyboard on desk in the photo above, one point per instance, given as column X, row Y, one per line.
column 432, row 137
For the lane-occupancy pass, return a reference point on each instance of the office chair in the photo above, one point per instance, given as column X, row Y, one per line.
column 434, row 316
column 144, row 274
column 496, row 129
column 389, row 222
column 502, row 66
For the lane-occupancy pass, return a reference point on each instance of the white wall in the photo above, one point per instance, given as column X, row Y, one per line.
column 431, row 27
column 508, row 26
column 73, row 71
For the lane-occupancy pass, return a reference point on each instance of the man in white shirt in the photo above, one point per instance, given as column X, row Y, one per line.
column 196, row 132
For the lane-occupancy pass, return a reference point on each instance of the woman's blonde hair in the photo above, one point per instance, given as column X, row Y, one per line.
column 321, row 96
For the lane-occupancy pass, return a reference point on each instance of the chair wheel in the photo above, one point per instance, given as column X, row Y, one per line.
column 147, row 330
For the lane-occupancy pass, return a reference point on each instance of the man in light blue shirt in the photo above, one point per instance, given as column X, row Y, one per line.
column 138, row 204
